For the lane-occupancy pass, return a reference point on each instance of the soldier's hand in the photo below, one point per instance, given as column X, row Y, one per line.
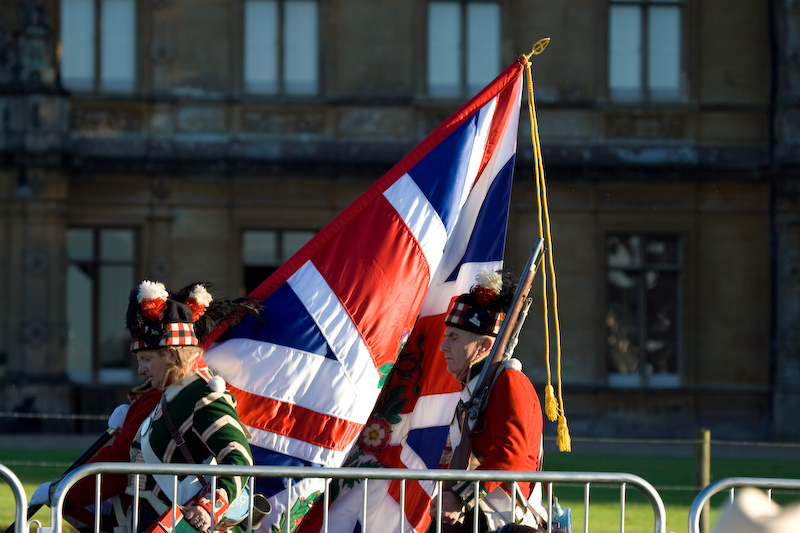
column 197, row 516
column 117, row 418
column 452, row 509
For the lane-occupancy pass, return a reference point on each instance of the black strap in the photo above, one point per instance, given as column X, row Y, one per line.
column 179, row 442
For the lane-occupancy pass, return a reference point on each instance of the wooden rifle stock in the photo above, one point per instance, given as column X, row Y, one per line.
column 502, row 350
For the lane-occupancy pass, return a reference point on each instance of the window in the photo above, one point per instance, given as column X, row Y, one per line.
column 281, row 47
column 100, row 275
column 642, row 314
column 644, row 49
column 265, row 250
column 98, row 45
column 463, row 47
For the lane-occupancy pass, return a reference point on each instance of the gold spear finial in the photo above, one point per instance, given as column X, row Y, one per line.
column 539, row 47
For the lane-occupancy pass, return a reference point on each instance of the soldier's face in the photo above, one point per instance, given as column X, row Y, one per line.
column 154, row 364
column 463, row 349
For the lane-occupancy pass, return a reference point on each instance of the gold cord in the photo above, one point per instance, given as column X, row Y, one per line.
column 554, row 409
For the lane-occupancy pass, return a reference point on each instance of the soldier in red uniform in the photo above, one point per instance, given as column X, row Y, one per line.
column 508, row 434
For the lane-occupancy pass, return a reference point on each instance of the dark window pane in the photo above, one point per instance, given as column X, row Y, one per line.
column 98, row 344
column 293, row 241
column 265, row 250
column 641, row 321
column 116, row 245
column 254, row 275
column 260, row 248
column 623, row 251
column 80, row 325
column 114, row 339
column 623, row 339
column 80, row 246
column 661, row 317
column 662, row 251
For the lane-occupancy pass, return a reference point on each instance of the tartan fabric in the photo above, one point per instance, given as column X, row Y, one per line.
column 478, row 320
column 137, row 344
column 179, row 334
column 176, row 334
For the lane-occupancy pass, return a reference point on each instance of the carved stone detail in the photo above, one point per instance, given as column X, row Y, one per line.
column 646, row 126
column 201, row 119
column 35, row 334
column 269, row 121
column 372, row 121
column 88, row 119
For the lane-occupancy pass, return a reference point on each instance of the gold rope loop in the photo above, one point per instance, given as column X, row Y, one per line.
column 553, row 406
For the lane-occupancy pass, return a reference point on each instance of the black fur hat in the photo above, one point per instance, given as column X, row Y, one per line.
column 157, row 318
column 484, row 307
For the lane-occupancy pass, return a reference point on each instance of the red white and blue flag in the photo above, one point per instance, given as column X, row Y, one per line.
column 339, row 312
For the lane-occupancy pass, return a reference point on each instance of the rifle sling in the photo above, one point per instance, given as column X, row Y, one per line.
column 176, row 437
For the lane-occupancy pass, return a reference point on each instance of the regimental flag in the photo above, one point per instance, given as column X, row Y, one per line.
column 339, row 311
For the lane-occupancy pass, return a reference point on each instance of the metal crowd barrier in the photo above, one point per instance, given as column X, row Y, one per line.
column 731, row 484
column 290, row 473
column 20, row 500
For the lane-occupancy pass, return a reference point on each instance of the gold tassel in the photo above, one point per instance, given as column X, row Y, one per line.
column 563, row 440
column 550, row 404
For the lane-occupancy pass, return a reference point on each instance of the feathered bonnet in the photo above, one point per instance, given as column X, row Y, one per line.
column 156, row 318
column 484, row 307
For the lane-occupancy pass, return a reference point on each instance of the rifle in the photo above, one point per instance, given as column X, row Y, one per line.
column 502, row 350
column 90, row 452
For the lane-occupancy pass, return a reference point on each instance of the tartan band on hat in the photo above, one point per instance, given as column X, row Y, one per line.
column 474, row 318
column 155, row 319
column 180, row 334
column 484, row 307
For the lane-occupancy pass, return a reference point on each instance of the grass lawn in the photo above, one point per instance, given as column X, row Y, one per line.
column 32, row 467
column 671, row 476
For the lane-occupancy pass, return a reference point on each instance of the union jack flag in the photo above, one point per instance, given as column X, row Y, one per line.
column 339, row 312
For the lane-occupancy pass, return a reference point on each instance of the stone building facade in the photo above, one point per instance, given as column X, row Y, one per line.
column 186, row 140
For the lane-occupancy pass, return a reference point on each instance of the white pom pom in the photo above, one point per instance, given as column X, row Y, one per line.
column 151, row 290
column 490, row 280
column 216, row 384
column 201, row 295
column 513, row 364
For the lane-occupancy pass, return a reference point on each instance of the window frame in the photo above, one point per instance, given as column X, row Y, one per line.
column 98, row 373
column 646, row 93
column 281, row 89
column 641, row 379
column 97, row 82
column 281, row 254
column 463, row 88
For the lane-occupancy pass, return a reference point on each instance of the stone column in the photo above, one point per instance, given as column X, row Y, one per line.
column 786, row 398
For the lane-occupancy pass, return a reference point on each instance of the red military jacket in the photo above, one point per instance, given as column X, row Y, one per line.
column 508, row 436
